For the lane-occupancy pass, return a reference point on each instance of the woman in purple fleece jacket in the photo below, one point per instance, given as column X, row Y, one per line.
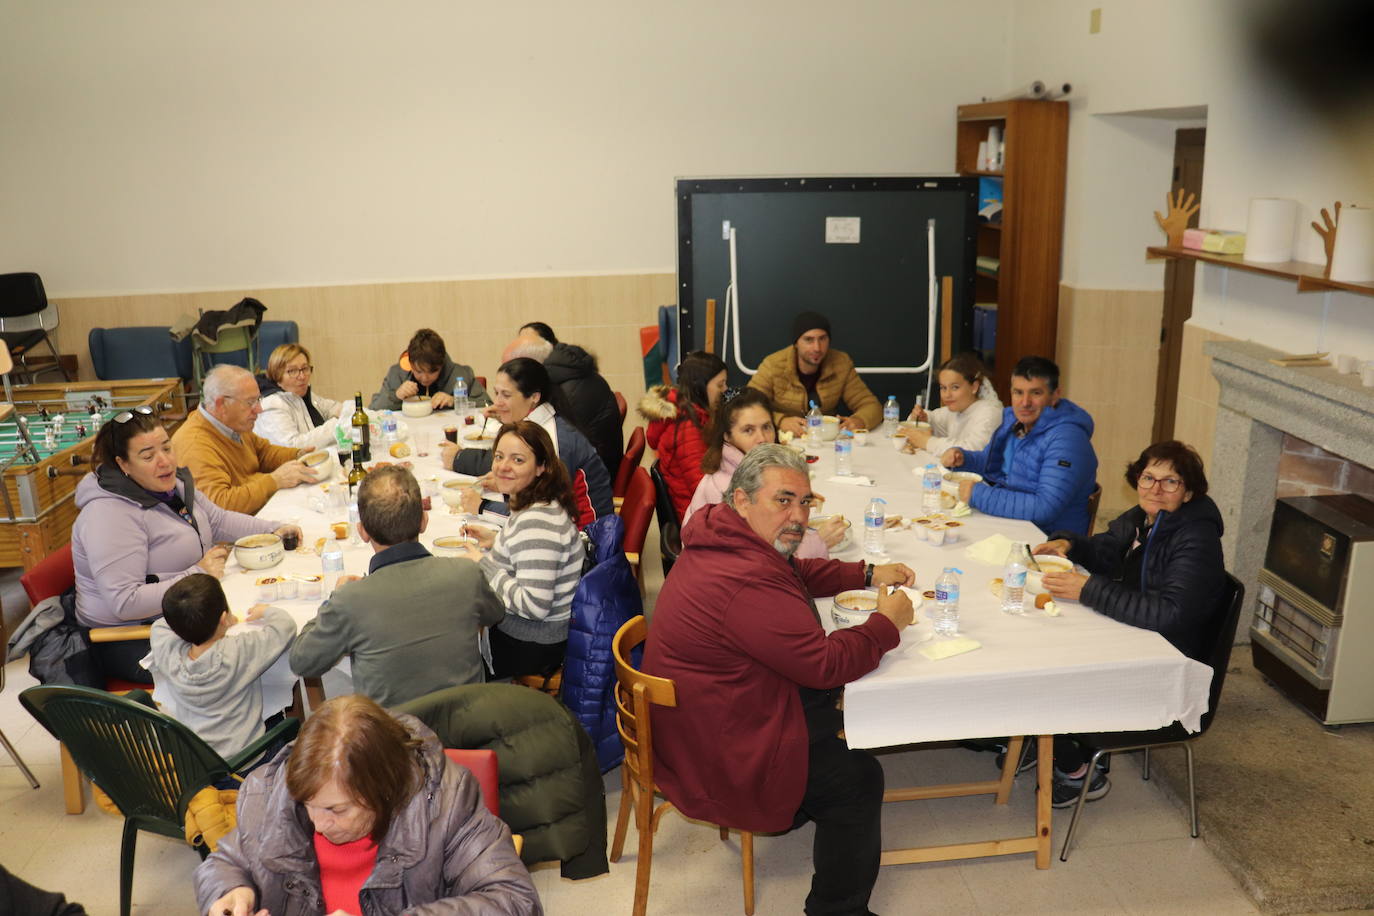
column 140, row 529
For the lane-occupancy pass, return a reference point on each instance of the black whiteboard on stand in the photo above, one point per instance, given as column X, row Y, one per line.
column 853, row 249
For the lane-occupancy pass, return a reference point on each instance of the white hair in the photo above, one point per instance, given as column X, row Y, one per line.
column 537, row 349
column 219, row 382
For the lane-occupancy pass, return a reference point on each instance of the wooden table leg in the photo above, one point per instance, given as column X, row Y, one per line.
column 73, row 784
column 1043, row 801
column 1009, row 765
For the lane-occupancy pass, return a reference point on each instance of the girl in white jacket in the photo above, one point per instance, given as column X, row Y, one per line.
column 293, row 415
column 970, row 413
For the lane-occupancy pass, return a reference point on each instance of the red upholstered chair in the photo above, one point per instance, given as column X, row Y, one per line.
column 636, row 513
column 482, row 763
column 481, row 380
column 53, row 576
column 620, row 403
column 634, row 454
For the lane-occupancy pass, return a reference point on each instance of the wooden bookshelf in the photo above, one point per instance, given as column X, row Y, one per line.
column 1028, row 240
column 1308, row 276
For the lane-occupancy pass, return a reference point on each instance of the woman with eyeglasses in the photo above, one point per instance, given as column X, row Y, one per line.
column 293, row 415
column 677, row 422
column 141, row 527
column 1158, row 565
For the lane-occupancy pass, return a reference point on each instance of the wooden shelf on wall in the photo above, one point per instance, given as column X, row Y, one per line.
column 1307, row 275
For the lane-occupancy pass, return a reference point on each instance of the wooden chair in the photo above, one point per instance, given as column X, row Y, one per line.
column 54, row 574
column 636, row 513
column 481, row 762
column 634, row 454
column 1228, row 614
column 1093, row 499
column 620, row 404
column 635, row 692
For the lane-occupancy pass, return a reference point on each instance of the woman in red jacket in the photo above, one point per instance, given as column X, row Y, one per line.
column 677, row 421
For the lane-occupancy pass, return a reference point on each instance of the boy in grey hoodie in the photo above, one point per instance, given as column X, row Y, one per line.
column 213, row 681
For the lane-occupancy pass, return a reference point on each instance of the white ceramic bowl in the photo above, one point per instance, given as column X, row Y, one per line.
column 417, row 407
column 952, row 479
column 830, row 428
column 259, row 551
column 452, row 492
column 852, row 608
column 1034, row 582
column 452, row 545
column 315, row 459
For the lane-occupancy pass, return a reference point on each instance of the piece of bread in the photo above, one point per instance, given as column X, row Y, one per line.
column 399, row 450
column 1043, row 599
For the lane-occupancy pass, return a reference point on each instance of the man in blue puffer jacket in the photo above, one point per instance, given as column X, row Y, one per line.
column 1040, row 464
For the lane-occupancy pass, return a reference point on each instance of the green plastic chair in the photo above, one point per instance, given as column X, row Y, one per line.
column 147, row 762
column 231, row 340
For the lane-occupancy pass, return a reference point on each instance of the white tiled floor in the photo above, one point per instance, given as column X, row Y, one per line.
column 1133, row 855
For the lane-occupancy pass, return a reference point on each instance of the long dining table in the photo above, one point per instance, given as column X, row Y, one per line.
column 317, row 508
column 1033, row 675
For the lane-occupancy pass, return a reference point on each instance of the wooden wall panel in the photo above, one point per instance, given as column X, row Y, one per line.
column 355, row 332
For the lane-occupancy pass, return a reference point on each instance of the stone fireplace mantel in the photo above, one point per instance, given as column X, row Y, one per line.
column 1259, row 403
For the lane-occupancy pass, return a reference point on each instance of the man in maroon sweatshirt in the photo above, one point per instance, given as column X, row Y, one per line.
column 753, row 742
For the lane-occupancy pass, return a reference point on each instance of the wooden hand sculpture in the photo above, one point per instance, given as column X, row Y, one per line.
column 1328, row 234
column 1180, row 212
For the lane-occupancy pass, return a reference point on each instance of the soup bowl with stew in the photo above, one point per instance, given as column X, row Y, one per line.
column 1034, row 580
column 852, row 607
column 259, row 551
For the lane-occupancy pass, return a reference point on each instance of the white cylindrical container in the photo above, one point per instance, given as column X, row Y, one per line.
column 1352, row 261
column 994, row 143
column 1269, row 231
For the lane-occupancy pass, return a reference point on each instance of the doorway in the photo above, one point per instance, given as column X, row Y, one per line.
column 1189, row 146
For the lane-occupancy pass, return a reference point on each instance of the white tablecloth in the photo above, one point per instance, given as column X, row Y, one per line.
column 1034, row 675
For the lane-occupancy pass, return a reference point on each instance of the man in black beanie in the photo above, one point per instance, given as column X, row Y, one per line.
column 809, row 370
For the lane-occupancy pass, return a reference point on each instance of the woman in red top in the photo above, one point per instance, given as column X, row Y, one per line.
column 677, row 420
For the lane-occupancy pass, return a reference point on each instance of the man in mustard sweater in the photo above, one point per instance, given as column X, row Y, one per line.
column 809, row 370
column 235, row 469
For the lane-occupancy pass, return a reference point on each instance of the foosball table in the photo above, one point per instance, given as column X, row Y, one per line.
column 46, row 433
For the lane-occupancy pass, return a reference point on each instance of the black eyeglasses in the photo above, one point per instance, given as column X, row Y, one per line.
column 1167, row 484
column 127, row 415
column 298, row 372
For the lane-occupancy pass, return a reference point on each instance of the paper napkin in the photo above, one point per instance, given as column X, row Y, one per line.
column 948, row 648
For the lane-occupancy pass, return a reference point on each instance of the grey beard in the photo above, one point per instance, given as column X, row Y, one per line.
column 788, row 549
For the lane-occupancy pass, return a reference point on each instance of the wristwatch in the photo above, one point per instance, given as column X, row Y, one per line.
column 868, row 575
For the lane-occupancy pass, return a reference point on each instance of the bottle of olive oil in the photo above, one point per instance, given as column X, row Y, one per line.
column 362, row 429
column 357, row 472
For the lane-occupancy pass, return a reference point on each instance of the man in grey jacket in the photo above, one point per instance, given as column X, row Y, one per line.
column 411, row 626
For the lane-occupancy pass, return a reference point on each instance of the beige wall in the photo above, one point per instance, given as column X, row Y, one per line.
column 355, row 332
column 1108, row 355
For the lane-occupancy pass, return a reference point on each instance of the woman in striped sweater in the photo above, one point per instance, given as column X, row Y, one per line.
column 534, row 564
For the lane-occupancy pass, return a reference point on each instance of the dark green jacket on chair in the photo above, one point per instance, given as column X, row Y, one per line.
column 551, row 790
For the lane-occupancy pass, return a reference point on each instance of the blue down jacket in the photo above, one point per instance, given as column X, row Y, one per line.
column 606, row 597
column 1052, row 473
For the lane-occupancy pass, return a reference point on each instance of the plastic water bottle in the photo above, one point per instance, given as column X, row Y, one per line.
column 813, row 426
column 946, row 615
column 873, row 526
column 332, row 561
column 931, row 481
column 353, row 518
column 1014, row 579
column 388, row 426
column 891, row 414
column 460, row 397
column 844, row 454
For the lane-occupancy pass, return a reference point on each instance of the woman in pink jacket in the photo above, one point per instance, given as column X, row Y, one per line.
column 740, row 423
